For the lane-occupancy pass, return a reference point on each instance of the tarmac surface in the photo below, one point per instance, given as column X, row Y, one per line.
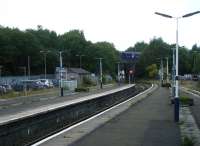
column 149, row 122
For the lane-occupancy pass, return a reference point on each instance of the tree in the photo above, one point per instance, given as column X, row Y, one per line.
column 152, row 70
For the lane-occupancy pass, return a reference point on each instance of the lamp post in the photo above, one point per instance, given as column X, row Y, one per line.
column 118, row 72
column 80, row 59
column 167, row 78
column 101, row 74
column 29, row 70
column 45, row 64
column 61, row 85
column 173, row 76
column 176, row 100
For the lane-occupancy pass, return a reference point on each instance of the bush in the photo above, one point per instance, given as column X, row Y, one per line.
column 82, row 89
column 184, row 100
column 188, row 142
column 87, row 81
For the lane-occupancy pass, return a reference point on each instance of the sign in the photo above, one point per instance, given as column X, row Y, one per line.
column 130, row 56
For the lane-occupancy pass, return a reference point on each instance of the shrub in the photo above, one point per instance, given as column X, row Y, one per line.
column 87, row 81
column 82, row 89
column 188, row 142
column 186, row 100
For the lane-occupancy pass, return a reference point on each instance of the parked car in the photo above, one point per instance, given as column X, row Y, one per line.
column 33, row 84
column 7, row 87
column 47, row 83
column 2, row 90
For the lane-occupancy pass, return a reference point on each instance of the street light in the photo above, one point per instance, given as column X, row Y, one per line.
column 176, row 100
column 45, row 52
column 80, row 56
column 61, row 68
column 101, row 74
column 118, row 73
column 167, row 78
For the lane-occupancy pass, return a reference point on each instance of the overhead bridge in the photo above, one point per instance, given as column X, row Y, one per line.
column 27, row 127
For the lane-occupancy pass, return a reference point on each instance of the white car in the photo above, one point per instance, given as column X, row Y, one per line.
column 47, row 83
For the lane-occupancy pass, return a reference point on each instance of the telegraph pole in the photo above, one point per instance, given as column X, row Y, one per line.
column 61, row 85
column 118, row 72
column 100, row 70
column 29, row 72
column 167, row 71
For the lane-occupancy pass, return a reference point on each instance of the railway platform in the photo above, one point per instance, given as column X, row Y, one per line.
column 149, row 122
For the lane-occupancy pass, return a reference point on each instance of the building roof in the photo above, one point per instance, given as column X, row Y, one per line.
column 77, row 70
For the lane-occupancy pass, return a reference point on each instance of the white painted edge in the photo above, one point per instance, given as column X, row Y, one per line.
column 82, row 122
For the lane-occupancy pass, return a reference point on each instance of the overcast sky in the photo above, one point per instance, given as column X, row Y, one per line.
column 122, row 22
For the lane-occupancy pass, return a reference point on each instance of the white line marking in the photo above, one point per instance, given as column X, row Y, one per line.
column 82, row 122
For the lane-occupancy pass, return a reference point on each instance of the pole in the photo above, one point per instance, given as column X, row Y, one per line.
column 118, row 72
column 101, row 78
column 25, row 82
column 167, row 71
column 45, row 65
column 173, row 77
column 61, row 86
column 29, row 72
column 176, row 100
column 161, row 71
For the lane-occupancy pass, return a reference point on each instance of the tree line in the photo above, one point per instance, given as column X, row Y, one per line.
column 16, row 45
column 157, row 49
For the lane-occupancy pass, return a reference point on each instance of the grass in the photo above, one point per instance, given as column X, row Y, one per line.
column 194, row 85
column 185, row 100
column 14, row 94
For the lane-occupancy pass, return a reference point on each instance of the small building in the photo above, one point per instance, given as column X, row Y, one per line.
column 72, row 74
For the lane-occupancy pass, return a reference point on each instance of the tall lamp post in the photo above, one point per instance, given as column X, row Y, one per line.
column 61, row 66
column 45, row 52
column 100, row 70
column 176, row 100
column 80, row 57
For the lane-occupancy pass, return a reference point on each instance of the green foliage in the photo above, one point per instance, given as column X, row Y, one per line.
column 87, row 82
column 188, row 142
column 185, row 100
column 152, row 70
column 82, row 89
column 16, row 46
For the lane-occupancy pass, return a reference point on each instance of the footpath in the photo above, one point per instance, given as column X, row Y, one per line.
column 149, row 122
